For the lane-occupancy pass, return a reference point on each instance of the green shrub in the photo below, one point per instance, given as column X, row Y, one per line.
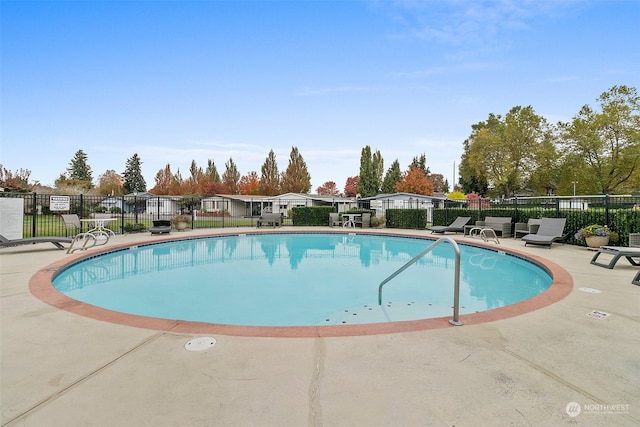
column 131, row 227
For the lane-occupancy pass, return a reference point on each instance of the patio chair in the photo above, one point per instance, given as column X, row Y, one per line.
column 72, row 223
column 617, row 253
column 636, row 280
column 334, row 219
column 456, row 226
column 364, row 221
column 550, row 231
column 55, row 240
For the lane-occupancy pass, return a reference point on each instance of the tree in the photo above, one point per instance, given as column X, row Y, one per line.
column 414, row 181
column 18, row 181
column 133, row 179
column 438, row 182
column 249, row 184
column 163, row 180
column 270, row 180
column 110, row 184
column 296, row 178
column 392, row 176
column 608, row 142
column 79, row 172
column 421, row 163
column 504, row 149
column 471, row 179
column 351, row 186
column 329, row 188
column 371, row 170
column 231, row 177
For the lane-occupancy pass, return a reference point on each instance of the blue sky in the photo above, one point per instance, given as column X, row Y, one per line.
column 182, row 81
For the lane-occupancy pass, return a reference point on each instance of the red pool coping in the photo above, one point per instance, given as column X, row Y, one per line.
column 40, row 285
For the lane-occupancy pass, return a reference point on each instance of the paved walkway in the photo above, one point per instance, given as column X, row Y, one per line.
column 62, row 369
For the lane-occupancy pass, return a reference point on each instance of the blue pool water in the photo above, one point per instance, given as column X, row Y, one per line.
column 298, row 279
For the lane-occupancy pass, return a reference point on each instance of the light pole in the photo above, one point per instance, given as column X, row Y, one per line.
column 574, row 188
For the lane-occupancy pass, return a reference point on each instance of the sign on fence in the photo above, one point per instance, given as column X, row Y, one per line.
column 59, row 203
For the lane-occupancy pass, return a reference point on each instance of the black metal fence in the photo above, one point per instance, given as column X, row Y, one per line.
column 42, row 212
column 619, row 213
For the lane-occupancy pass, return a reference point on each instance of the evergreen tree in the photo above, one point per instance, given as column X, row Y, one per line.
column 421, row 163
column 79, row 170
column 231, row 177
column 212, row 171
column 392, row 176
column 296, row 178
column 133, row 179
column 270, row 180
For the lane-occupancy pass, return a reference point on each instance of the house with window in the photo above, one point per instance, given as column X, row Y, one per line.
column 381, row 202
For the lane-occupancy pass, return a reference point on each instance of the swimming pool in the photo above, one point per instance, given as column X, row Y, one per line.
column 298, row 279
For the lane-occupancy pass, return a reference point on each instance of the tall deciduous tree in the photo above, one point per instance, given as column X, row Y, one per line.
column 296, row 178
column 329, row 188
column 504, row 149
column 231, row 177
column 249, row 183
column 110, row 183
column 15, row 181
column 392, row 176
column 351, row 186
column 608, row 142
column 133, row 179
column 415, row 181
column 270, row 179
column 371, row 170
column 163, row 180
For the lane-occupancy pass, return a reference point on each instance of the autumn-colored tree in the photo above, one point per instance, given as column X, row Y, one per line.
column 351, row 186
column 249, row 184
column 329, row 188
column 18, row 181
column 177, row 186
column 110, row 184
column 414, row 181
column 163, row 180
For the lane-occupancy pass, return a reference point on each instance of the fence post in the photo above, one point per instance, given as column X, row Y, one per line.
column 606, row 209
column 34, row 214
column 557, row 207
column 515, row 208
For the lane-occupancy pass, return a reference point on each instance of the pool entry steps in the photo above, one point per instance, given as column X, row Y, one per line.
column 456, row 290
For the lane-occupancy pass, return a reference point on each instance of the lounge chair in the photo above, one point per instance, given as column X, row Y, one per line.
column 56, row 241
column 550, row 231
column 636, row 280
column 617, row 253
column 160, row 226
column 456, row 226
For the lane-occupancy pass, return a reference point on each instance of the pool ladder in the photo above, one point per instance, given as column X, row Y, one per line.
column 456, row 290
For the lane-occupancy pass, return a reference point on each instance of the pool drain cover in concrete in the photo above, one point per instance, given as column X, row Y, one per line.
column 590, row 290
column 201, row 343
column 598, row 314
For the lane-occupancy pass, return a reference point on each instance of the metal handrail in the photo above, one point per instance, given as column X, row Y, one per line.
column 456, row 290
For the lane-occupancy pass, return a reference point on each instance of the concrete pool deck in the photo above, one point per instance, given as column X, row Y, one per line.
column 58, row 368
